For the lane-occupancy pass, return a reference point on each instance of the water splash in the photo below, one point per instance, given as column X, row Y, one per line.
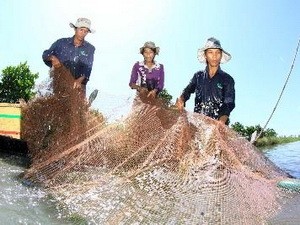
column 156, row 166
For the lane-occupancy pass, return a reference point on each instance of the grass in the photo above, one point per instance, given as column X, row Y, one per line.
column 271, row 141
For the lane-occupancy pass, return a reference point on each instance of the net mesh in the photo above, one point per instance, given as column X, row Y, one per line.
column 155, row 166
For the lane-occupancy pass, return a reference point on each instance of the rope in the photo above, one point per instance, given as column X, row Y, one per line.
column 284, row 86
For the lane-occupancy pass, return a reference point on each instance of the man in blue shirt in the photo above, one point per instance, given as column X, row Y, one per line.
column 75, row 53
column 214, row 88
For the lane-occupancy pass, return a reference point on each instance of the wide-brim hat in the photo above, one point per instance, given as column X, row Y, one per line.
column 213, row 43
column 83, row 22
column 150, row 44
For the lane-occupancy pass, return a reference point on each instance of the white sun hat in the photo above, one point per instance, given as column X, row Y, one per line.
column 83, row 22
column 213, row 43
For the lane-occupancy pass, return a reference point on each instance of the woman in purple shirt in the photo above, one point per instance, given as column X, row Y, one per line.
column 148, row 75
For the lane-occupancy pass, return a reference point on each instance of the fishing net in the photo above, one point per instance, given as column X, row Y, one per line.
column 155, row 166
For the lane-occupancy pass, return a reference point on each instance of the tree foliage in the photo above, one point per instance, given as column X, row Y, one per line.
column 166, row 97
column 247, row 131
column 17, row 82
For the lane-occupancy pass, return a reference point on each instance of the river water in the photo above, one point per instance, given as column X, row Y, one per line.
column 20, row 204
column 286, row 156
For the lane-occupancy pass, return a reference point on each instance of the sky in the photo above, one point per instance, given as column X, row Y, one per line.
column 261, row 35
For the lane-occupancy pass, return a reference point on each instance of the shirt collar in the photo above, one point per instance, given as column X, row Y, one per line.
column 71, row 41
column 218, row 71
column 155, row 66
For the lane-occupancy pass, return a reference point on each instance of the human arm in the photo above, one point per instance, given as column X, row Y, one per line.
column 180, row 103
column 223, row 119
column 187, row 91
column 78, row 82
column 152, row 93
column 88, row 59
column 134, row 78
column 55, row 61
column 159, row 82
column 229, row 100
column 138, row 88
column 49, row 56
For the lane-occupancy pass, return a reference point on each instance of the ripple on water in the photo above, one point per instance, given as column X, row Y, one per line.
column 287, row 157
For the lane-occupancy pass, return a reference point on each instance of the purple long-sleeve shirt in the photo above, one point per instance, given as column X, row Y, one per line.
column 150, row 78
column 78, row 59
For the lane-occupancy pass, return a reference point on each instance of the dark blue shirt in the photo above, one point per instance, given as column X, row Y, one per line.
column 214, row 97
column 78, row 59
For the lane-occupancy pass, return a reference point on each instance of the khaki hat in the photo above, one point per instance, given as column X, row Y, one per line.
column 83, row 22
column 150, row 44
column 213, row 43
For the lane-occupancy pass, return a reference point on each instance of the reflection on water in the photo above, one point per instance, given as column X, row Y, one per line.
column 20, row 204
column 287, row 157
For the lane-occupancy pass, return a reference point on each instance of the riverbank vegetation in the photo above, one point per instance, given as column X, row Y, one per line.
column 266, row 137
column 268, row 141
